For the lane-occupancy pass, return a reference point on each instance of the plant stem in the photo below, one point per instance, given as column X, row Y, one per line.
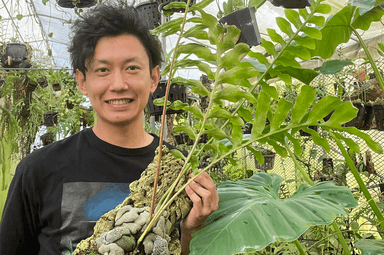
column 379, row 77
column 164, row 115
column 342, row 241
column 298, row 245
column 361, row 183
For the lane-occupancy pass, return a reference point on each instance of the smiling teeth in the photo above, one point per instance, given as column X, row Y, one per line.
column 121, row 101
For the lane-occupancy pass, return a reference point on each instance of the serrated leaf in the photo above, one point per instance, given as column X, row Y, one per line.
column 303, row 101
column 199, row 50
column 228, row 41
column 196, row 86
column 342, row 114
column 285, row 26
column 251, row 215
column 246, row 114
column 275, row 36
column 299, row 51
column 293, row 17
column 236, row 75
column 262, row 108
column 334, row 66
column 186, row 129
column 174, row 23
column 260, row 57
column 323, row 108
column 234, row 56
column 317, row 20
column 269, row 47
column 270, row 90
column 306, row 42
column 177, row 154
column 225, row 114
column 283, row 107
column 196, row 32
column 217, row 133
column 233, row 94
column 312, row 32
column 375, row 146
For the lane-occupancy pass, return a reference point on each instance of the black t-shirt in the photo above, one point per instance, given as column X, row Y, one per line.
column 60, row 191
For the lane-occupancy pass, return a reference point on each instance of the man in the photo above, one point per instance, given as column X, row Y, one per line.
column 59, row 191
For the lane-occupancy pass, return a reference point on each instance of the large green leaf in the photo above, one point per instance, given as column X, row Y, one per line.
column 251, row 215
column 370, row 246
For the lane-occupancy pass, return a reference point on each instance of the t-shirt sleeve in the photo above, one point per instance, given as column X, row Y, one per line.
column 19, row 223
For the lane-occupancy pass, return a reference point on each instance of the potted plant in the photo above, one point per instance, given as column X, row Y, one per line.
column 150, row 12
column 15, row 55
column 269, row 160
column 245, row 20
column 234, row 227
column 176, row 92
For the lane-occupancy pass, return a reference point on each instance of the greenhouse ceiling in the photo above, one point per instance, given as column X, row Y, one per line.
column 45, row 26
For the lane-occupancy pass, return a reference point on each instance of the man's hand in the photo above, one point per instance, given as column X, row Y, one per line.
column 202, row 192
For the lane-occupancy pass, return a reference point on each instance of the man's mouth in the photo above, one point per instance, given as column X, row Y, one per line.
column 120, row 101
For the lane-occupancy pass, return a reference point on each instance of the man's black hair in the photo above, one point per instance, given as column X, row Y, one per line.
column 110, row 19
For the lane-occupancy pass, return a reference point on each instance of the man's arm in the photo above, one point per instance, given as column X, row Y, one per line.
column 202, row 192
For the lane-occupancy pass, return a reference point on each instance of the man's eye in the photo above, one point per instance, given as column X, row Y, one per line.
column 102, row 70
column 132, row 68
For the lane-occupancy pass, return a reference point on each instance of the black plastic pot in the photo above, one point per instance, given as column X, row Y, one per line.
column 269, row 162
column 245, row 20
column 50, row 119
column 56, row 87
column 292, row 4
column 149, row 12
column 163, row 3
column 176, row 92
column 183, row 138
column 78, row 4
column 15, row 55
column 378, row 110
column 363, row 118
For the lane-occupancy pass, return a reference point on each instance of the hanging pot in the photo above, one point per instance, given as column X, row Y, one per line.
column 364, row 117
column 149, row 11
column 76, row 3
column 176, row 92
column 378, row 110
column 163, row 3
column 15, row 55
column 50, row 119
column 269, row 162
column 292, row 4
column 245, row 20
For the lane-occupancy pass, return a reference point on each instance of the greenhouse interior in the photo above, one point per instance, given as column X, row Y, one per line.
column 281, row 102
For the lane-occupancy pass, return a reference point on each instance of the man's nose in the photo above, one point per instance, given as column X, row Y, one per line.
column 119, row 82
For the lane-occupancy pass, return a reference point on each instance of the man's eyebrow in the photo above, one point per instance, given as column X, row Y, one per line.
column 105, row 61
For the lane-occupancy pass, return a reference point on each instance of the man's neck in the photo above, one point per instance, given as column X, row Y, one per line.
column 124, row 136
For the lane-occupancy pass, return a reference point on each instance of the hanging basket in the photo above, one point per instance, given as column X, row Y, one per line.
column 163, row 3
column 76, row 3
column 15, row 55
column 292, row 4
column 269, row 162
column 149, row 12
column 176, row 92
column 378, row 110
column 245, row 20
column 50, row 119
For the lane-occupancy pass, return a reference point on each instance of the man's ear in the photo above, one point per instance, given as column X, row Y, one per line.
column 80, row 78
column 155, row 78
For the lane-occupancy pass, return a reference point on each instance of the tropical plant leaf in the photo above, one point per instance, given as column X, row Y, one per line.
column 251, row 215
column 370, row 246
column 334, row 66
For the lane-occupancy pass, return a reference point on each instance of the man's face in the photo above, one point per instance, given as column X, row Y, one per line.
column 118, row 80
